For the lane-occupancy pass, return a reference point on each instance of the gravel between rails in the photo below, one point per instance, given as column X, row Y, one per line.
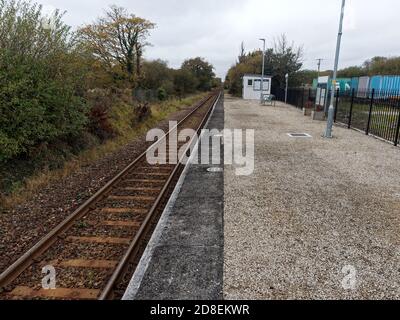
column 26, row 224
column 312, row 207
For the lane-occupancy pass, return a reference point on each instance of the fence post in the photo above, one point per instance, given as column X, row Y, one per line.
column 370, row 112
column 337, row 103
column 351, row 107
column 396, row 137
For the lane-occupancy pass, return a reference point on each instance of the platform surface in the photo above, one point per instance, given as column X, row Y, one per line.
column 318, row 218
column 316, row 214
column 185, row 257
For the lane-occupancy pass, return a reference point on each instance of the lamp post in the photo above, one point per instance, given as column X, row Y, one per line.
column 319, row 66
column 262, row 73
column 287, row 86
column 331, row 113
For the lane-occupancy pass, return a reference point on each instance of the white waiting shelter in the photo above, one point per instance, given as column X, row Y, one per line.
column 252, row 86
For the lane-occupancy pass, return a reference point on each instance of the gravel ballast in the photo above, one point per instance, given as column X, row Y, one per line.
column 314, row 212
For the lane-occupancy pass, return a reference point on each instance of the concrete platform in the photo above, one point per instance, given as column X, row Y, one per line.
column 184, row 259
column 318, row 219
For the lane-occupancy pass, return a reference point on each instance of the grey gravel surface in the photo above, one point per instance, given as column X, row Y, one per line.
column 312, row 207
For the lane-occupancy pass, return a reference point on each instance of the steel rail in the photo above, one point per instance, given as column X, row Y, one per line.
column 134, row 247
column 20, row 265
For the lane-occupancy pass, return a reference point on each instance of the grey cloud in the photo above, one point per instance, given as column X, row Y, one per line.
column 214, row 29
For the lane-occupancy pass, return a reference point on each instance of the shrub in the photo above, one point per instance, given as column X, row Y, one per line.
column 184, row 82
column 142, row 111
column 38, row 80
column 100, row 103
column 202, row 71
column 162, row 94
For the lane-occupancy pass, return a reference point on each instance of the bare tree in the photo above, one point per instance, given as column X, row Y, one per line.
column 242, row 55
column 119, row 38
column 286, row 58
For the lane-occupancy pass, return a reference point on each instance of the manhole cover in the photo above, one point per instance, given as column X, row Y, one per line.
column 216, row 169
column 299, row 135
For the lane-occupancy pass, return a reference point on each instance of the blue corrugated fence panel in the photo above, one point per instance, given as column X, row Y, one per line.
column 376, row 83
column 389, row 85
column 386, row 83
column 354, row 83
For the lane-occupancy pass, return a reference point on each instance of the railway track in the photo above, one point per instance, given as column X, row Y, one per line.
column 94, row 251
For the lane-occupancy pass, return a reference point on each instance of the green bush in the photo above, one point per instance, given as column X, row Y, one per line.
column 100, row 103
column 38, row 80
column 184, row 82
column 202, row 71
column 162, row 95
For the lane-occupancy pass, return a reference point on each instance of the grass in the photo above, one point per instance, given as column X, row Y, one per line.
column 383, row 120
column 24, row 189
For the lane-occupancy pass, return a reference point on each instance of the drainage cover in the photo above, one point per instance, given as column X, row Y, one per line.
column 216, row 169
column 299, row 135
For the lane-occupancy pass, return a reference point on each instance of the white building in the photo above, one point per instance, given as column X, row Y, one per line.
column 252, row 86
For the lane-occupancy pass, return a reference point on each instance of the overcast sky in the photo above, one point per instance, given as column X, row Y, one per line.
column 214, row 29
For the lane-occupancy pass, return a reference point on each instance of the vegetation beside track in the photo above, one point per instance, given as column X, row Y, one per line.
column 67, row 95
column 24, row 181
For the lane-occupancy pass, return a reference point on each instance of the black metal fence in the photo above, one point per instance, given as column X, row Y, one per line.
column 373, row 112
column 300, row 98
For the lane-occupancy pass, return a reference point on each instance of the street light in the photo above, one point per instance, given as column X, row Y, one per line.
column 262, row 73
column 287, row 86
column 331, row 113
column 319, row 66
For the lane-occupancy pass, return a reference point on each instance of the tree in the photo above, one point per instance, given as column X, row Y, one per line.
column 217, row 83
column 40, row 80
column 156, row 74
column 350, row 72
column 242, row 54
column 382, row 66
column 283, row 58
column 373, row 67
column 201, row 70
column 251, row 64
column 184, row 82
column 118, row 39
column 286, row 58
column 306, row 77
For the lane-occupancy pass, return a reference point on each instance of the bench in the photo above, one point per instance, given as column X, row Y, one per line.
column 269, row 99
